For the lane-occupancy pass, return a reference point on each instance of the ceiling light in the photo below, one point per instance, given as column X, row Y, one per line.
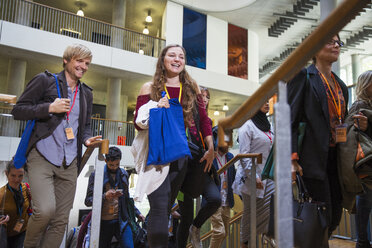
column 216, row 113
column 141, row 51
column 80, row 12
column 148, row 17
column 80, row 6
column 225, row 107
column 146, row 30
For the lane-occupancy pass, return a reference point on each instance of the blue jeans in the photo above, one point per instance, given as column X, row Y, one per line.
column 363, row 206
column 110, row 228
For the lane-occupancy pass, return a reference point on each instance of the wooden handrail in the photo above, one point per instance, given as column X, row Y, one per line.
column 258, row 156
column 103, row 146
column 341, row 16
column 12, row 99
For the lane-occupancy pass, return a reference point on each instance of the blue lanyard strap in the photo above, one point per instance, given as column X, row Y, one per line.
column 59, row 92
column 20, row 208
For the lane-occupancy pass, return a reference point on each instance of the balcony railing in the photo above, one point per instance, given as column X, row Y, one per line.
column 117, row 132
column 57, row 21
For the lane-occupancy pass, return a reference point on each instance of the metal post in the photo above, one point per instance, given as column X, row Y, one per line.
column 253, row 214
column 283, row 194
column 97, row 203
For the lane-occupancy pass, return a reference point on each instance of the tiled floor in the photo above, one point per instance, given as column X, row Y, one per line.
column 341, row 243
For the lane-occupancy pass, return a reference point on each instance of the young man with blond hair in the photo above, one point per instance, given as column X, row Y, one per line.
column 54, row 151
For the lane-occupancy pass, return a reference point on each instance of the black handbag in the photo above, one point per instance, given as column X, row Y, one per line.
column 194, row 179
column 310, row 227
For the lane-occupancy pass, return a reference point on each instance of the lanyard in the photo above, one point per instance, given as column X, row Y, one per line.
column 179, row 96
column 338, row 107
column 269, row 136
column 73, row 103
column 20, row 208
column 221, row 164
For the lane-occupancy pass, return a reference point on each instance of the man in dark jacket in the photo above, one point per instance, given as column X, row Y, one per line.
column 114, row 214
column 55, row 146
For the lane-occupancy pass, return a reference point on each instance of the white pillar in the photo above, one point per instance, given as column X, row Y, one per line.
column 217, row 47
column 253, row 57
column 119, row 12
column 113, row 99
column 326, row 7
column 118, row 19
column 16, row 76
column 356, row 67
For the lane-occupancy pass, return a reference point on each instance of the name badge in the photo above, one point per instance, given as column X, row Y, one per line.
column 341, row 133
column 111, row 209
column 18, row 226
column 69, row 133
column 224, row 186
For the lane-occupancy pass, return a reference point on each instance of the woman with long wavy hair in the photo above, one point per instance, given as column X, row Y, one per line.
column 172, row 77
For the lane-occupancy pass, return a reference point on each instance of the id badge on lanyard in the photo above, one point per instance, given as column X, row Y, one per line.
column 68, row 129
column 18, row 226
column 341, row 133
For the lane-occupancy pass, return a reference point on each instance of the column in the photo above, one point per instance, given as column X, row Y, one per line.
column 113, row 99
column 16, row 76
column 15, row 81
column 118, row 19
column 253, row 57
column 326, row 7
column 355, row 67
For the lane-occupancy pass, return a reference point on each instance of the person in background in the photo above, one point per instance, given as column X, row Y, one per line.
column 255, row 136
column 319, row 98
column 54, row 151
column 206, row 97
column 221, row 219
column 361, row 121
column 114, row 214
column 15, row 203
column 73, row 234
column 171, row 76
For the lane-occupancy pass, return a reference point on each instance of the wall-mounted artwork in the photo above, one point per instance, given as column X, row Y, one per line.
column 237, row 52
column 195, row 37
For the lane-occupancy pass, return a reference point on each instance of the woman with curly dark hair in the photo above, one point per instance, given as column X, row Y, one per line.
column 172, row 77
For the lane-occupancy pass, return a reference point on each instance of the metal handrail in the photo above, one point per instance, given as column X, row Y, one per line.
column 62, row 22
column 341, row 16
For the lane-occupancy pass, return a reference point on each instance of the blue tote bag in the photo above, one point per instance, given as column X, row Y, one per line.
column 20, row 155
column 167, row 136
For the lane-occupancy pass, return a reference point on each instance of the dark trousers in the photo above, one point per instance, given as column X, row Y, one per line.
column 211, row 202
column 328, row 191
column 161, row 201
column 110, row 228
column 363, row 207
column 16, row 241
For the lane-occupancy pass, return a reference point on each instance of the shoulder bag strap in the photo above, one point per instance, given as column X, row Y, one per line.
column 58, row 90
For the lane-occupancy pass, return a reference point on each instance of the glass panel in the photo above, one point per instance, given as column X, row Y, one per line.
column 195, row 37
column 237, row 52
